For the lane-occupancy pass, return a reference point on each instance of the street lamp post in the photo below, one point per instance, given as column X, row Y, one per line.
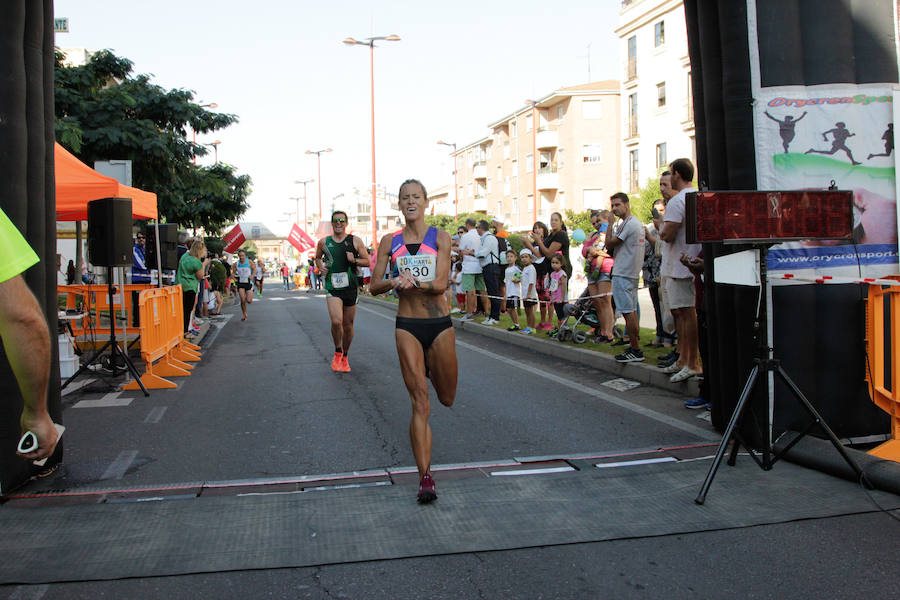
column 305, row 221
column 534, row 161
column 455, row 185
column 215, row 146
column 318, row 154
column 370, row 42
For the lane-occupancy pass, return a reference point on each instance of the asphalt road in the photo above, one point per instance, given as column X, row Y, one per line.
column 264, row 403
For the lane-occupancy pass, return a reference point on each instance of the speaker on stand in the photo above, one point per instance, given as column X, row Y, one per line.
column 109, row 245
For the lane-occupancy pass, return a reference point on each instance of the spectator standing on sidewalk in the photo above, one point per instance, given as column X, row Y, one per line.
column 626, row 239
column 488, row 255
column 555, row 240
column 472, row 278
column 598, row 271
column 542, row 267
column 529, row 289
column 680, row 282
column 652, row 263
column 188, row 276
column 666, row 191
column 512, row 278
column 557, row 283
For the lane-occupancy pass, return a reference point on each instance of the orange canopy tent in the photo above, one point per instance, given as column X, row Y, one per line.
column 77, row 184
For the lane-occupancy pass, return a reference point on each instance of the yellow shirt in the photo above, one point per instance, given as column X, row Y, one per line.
column 15, row 253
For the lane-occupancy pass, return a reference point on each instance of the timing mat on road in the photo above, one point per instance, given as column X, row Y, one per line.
column 226, row 533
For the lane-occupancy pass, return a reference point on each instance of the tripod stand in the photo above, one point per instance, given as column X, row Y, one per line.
column 116, row 353
column 764, row 363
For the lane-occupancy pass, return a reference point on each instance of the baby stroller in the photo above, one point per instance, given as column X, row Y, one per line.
column 582, row 311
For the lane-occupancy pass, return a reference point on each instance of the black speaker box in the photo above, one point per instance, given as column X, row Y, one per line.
column 109, row 232
column 168, row 246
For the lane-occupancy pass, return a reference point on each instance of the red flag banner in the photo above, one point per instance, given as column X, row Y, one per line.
column 234, row 239
column 300, row 240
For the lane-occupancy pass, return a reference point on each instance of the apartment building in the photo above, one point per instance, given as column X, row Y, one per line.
column 657, row 111
column 563, row 147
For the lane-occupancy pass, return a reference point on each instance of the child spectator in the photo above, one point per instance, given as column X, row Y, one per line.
column 528, row 287
column 556, row 281
column 512, row 289
column 457, row 288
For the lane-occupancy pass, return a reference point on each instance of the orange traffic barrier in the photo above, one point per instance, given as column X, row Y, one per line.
column 163, row 347
column 877, row 341
column 94, row 298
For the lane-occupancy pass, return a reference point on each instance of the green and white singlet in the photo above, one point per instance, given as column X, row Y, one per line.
column 341, row 274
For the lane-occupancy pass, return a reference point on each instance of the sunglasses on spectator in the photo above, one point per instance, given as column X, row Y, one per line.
column 339, row 220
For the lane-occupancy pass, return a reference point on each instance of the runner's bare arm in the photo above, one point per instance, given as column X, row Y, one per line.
column 320, row 252
column 362, row 258
column 439, row 285
column 378, row 284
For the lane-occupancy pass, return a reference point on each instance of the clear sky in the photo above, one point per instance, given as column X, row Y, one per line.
column 281, row 68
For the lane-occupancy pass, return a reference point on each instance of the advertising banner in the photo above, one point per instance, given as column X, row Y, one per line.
column 811, row 137
column 234, row 238
column 300, row 240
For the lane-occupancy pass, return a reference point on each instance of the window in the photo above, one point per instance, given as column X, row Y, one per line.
column 659, row 34
column 632, row 115
column 591, row 109
column 499, row 208
column 633, row 169
column 560, row 112
column 499, row 173
column 544, row 161
column 469, row 193
column 560, row 159
column 632, row 58
column 529, row 162
column 661, row 155
column 513, row 128
column 661, row 94
column 529, row 121
column 506, row 186
column 592, row 153
column 488, row 181
column 515, row 205
column 505, row 149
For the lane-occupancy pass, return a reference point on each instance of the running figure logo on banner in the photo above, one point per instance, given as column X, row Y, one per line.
column 808, row 137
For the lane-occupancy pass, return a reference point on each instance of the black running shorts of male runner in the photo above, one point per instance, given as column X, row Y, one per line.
column 348, row 295
column 245, row 286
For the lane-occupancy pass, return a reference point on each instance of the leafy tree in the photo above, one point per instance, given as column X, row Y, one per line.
column 642, row 202
column 103, row 113
column 582, row 221
column 214, row 245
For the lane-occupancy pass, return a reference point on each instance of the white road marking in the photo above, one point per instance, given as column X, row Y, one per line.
column 78, row 385
column 120, row 465
column 111, row 399
column 632, row 463
column 530, row 471
column 646, row 412
column 29, row 592
column 155, row 415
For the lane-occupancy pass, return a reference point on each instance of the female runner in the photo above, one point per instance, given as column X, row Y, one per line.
column 419, row 258
column 244, row 272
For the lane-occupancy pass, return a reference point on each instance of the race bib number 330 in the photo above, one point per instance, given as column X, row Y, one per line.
column 422, row 267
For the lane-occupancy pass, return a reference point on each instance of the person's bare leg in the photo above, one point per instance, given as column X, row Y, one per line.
column 349, row 315
column 412, row 367
column 633, row 328
column 442, row 366
column 336, row 314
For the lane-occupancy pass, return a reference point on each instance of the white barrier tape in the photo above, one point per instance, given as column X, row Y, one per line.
column 569, row 301
column 833, row 279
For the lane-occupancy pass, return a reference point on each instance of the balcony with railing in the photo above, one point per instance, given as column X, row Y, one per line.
column 480, row 204
column 632, row 129
column 631, row 70
column 479, row 169
column 547, row 138
column 547, row 178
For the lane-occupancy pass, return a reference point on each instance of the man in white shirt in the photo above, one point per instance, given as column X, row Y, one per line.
column 472, row 278
column 626, row 239
column 678, row 279
column 489, row 258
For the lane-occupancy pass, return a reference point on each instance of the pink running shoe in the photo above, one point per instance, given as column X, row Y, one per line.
column 426, row 490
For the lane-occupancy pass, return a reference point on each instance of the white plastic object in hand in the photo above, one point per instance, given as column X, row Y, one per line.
column 29, row 443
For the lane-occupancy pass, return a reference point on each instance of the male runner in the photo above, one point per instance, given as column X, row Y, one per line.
column 337, row 257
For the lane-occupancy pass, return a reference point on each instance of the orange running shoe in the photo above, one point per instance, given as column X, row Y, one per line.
column 336, row 362
column 345, row 364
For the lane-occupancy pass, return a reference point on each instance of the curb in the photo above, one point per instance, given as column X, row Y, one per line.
column 641, row 372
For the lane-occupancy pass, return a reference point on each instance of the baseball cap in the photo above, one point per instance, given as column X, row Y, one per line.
column 524, row 251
